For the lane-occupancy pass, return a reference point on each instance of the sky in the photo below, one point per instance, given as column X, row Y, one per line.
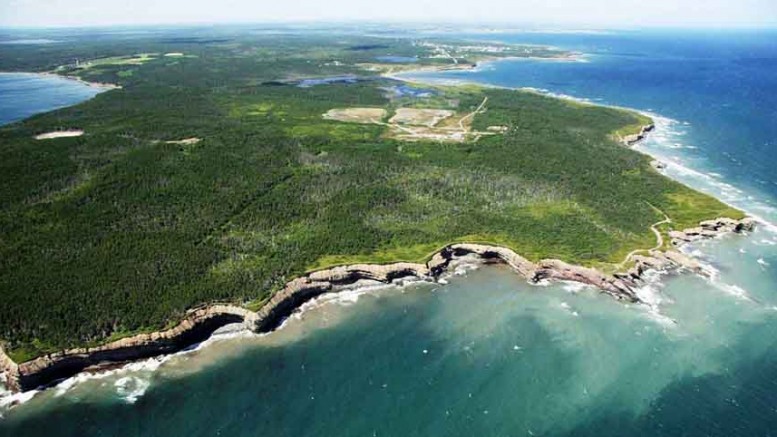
column 578, row 13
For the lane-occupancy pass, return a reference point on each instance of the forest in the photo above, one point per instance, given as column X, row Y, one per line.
column 123, row 229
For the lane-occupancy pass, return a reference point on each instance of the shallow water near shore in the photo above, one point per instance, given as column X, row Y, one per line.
column 487, row 353
column 25, row 94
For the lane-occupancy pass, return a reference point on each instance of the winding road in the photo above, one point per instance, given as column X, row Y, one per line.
column 659, row 238
column 472, row 114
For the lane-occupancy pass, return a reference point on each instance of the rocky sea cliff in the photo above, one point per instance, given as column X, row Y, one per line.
column 200, row 323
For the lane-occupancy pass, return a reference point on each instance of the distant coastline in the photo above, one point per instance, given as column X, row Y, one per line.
column 472, row 66
column 99, row 85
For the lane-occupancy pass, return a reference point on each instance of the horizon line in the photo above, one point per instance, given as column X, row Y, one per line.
column 499, row 25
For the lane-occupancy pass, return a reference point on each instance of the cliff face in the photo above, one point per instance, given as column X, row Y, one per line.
column 307, row 287
column 711, row 228
column 630, row 140
column 199, row 324
column 196, row 327
column 619, row 288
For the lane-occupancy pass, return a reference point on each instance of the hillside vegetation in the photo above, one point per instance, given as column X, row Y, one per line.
column 119, row 230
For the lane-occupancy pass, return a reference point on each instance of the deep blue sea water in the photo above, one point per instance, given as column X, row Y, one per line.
column 720, row 88
column 23, row 95
column 487, row 354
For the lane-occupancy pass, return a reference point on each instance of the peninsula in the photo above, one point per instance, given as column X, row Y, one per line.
column 231, row 178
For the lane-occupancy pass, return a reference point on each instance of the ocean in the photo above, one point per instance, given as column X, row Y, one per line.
column 487, row 354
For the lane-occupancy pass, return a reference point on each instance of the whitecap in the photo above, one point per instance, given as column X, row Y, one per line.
column 131, row 388
column 8, row 399
column 345, row 297
column 574, row 287
column 465, row 266
column 731, row 289
column 695, row 253
column 568, row 309
column 652, row 299
column 148, row 365
column 349, row 295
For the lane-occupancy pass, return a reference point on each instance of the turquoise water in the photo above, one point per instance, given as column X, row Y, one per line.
column 396, row 59
column 488, row 354
column 23, row 95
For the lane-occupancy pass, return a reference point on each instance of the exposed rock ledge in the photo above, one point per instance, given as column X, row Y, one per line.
column 658, row 260
column 711, row 228
column 630, row 140
column 200, row 323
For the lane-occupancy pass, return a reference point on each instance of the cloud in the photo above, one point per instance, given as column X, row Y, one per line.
column 603, row 13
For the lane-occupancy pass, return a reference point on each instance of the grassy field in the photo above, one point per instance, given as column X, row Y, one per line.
column 120, row 231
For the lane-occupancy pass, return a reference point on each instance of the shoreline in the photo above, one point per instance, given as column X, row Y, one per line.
column 99, row 85
column 634, row 144
column 473, row 66
column 200, row 323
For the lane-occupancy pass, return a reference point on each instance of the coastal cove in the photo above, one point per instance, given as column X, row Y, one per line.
column 27, row 94
column 354, row 336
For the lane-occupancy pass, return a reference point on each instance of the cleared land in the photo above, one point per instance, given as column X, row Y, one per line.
column 59, row 134
column 420, row 117
column 119, row 232
column 356, row 115
column 185, row 141
column 419, row 124
column 138, row 59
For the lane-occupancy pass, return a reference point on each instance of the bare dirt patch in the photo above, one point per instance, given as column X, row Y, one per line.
column 60, row 134
column 420, row 117
column 185, row 141
column 498, row 129
column 356, row 115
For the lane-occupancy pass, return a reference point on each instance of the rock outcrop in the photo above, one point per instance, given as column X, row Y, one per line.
column 197, row 326
column 711, row 228
column 307, row 287
column 619, row 288
column 658, row 260
column 658, row 165
column 630, row 140
column 520, row 264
